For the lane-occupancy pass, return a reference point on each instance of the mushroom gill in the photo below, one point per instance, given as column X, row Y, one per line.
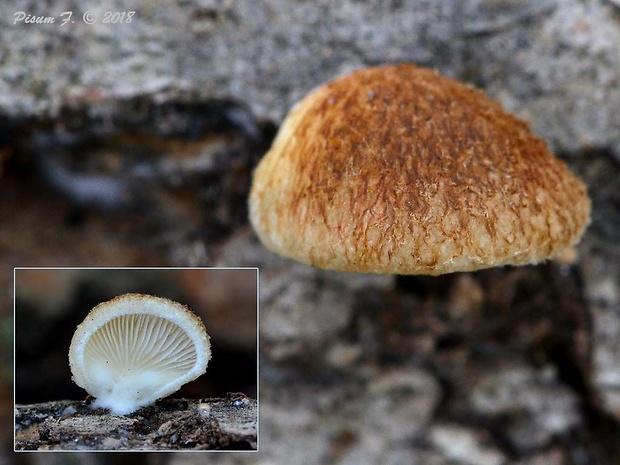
column 135, row 349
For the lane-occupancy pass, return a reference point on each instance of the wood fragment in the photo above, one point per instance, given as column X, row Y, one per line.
column 228, row 423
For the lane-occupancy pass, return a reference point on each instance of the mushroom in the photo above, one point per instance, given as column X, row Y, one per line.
column 397, row 169
column 135, row 349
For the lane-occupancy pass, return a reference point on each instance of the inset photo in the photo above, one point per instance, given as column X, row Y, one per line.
column 136, row 359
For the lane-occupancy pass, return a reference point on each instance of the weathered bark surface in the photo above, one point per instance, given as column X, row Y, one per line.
column 134, row 145
column 173, row 424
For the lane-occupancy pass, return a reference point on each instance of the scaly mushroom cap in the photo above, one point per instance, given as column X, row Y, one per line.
column 397, row 169
column 136, row 348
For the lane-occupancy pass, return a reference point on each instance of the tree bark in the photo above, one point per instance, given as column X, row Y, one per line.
column 228, row 423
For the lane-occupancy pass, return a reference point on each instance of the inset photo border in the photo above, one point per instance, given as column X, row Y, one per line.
column 136, row 359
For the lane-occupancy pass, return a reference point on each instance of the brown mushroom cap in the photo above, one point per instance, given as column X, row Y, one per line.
column 397, row 169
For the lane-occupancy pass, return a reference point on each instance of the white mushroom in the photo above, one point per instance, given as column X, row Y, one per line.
column 135, row 349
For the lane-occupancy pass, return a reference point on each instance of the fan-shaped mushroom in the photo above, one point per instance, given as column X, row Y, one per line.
column 399, row 170
column 137, row 348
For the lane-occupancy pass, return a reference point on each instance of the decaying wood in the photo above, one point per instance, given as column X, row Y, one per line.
column 228, row 423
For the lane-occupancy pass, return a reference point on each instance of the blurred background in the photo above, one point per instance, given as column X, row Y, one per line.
column 133, row 143
column 50, row 303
